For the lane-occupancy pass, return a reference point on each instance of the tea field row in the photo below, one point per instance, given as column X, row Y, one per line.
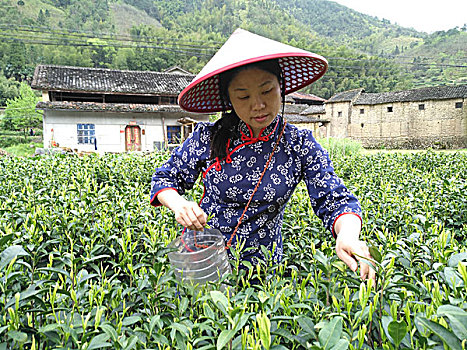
column 83, row 263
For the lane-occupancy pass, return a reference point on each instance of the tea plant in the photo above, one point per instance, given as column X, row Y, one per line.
column 83, row 263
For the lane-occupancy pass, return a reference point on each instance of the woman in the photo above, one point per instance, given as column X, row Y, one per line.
column 251, row 160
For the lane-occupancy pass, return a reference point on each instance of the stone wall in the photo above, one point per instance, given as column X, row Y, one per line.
column 319, row 131
column 338, row 114
column 436, row 124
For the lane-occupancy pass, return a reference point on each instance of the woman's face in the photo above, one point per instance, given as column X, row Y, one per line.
column 256, row 97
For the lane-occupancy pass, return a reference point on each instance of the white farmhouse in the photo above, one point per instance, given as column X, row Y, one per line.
column 95, row 109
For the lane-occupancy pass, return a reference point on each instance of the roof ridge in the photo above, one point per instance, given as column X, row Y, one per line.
column 110, row 69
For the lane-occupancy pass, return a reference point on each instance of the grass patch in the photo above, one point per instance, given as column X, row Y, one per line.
column 339, row 147
column 23, row 149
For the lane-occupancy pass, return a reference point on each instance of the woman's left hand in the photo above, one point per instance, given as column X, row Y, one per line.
column 350, row 249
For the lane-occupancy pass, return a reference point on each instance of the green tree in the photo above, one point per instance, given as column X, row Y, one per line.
column 41, row 17
column 67, row 55
column 14, row 60
column 20, row 113
column 8, row 89
column 102, row 55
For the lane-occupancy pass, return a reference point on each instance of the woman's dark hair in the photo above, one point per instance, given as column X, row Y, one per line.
column 225, row 128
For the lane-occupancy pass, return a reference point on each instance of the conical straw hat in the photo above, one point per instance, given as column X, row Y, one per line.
column 299, row 68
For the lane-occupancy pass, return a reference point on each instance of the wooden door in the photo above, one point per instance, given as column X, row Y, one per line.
column 133, row 138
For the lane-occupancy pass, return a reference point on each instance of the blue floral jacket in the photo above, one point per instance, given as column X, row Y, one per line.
column 229, row 182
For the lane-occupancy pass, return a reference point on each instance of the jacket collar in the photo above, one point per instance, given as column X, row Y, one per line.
column 246, row 133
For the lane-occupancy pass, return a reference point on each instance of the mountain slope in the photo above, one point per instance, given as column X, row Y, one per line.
column 362, row 50
column 125, row 16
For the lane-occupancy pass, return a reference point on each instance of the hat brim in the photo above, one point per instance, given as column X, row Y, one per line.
column 299, row 69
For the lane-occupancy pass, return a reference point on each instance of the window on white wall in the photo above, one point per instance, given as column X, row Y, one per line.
column 86, row 133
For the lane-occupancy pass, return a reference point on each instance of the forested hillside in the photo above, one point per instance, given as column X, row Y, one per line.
column 363, row 51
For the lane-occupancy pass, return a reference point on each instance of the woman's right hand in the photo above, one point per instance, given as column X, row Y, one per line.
column 189, row 214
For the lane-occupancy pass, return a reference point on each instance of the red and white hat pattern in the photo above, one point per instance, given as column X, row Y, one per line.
column 299, row 69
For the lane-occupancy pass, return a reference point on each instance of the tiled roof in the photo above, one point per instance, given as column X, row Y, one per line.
column 319, row 109
column 299, row 114
column 297, row 95
column 177, row 70
column 305, row 119
column 64, row 78
column 294, row 109
column 423, row 94
column 111, row 107
column 345, row 96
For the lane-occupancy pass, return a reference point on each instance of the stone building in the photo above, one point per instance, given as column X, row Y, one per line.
column 307, row 111
column 89, row 109
column 419, row 118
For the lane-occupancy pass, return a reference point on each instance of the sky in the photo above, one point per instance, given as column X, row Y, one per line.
column 423, row 15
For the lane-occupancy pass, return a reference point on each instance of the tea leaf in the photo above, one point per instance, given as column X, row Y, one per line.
column 285, row 334
column 301, row 306
column 161, row 339
column 375, row 254
column 183, row 305
column 99, row 342
column 155, row 320
column 264, row 327
column 219, row 297
column 397, row 330
column 452, row 278
column 307, row 324
column 224, row 338
column 94, row 258
column 446, row 336
column 451, row 310
column 11, row 253
column 48, row 328
column 110, row 331
column 342, row 344
column 241, row 322
column 330, row 334
column 130, row 320
column 457, row 319
column 262, row 296
column 18, row 336
column 420, row 217
column 208, row 311
column 181, row 328
column 131, row 343
column 455, row 259
column 278, row 347
column 56, row 270
column 6, row 238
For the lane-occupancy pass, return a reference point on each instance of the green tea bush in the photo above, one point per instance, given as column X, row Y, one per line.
column 83, row 263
